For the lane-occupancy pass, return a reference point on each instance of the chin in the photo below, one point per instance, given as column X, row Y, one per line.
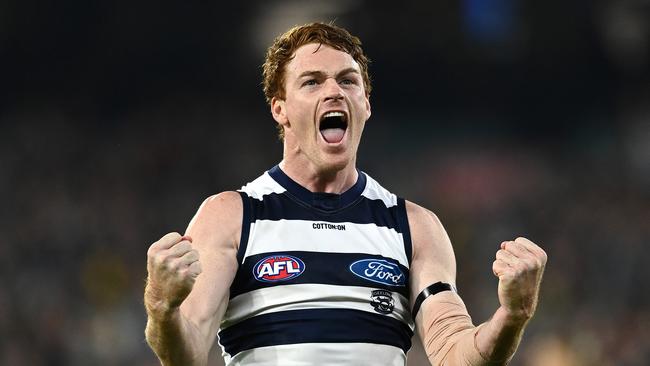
column 335, row 164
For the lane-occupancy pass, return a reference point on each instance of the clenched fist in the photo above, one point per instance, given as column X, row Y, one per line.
column 519, row 265
column 172, row 266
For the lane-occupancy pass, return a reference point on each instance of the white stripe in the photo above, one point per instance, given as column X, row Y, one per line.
column 291, row 235
column 334, row 354
column 375, row 191
column 262, row 186
column 309, row 296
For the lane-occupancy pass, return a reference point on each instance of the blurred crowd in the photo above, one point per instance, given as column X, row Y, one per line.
column 82, row 205
column 522, row 119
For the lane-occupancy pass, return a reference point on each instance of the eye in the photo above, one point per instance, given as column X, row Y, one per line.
column 347, row 82
column 309, row 82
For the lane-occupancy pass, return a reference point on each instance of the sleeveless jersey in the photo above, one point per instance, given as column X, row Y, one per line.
column 322, row 277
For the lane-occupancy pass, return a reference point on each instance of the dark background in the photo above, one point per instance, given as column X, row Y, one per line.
column 504, row 117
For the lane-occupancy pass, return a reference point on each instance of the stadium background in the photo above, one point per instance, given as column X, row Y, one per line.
column 505, row 117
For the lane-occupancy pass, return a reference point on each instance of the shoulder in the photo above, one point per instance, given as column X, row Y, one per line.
column 433, row 255
column 228, row 200
column 219, row 217
column 424, row 224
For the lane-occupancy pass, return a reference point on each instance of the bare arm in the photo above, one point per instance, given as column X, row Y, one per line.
column 188, row 282
column 445, row 327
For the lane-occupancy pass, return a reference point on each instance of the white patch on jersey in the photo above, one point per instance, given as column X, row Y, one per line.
column 262, row 186
column 357, row 354
column 374, row 191
column 268, row 236
column 308, row 296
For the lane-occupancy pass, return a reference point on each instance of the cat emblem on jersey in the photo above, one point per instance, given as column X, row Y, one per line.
column 382, row 301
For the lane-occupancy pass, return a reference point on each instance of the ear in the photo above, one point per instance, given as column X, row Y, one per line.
column 279, row 111
column 368, row 111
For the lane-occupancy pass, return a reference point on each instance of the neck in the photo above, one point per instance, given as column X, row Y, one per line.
column 328, row 181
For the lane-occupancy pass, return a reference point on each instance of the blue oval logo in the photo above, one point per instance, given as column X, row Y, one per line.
column 277, row 268
column 380, row 271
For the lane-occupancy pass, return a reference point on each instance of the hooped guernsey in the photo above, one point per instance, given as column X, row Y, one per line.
column 323, row 278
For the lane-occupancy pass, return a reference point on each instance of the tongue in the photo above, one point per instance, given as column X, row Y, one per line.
column 333, row 135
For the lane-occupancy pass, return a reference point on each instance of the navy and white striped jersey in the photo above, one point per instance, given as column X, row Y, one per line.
column 322, row 279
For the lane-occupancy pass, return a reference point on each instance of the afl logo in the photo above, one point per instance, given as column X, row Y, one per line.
column 278, row 268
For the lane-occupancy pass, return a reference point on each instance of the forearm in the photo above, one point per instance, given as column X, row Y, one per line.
column 450, row 338
column 175, row 339
column 499, row 337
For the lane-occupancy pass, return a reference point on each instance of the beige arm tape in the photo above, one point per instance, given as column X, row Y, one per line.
column 449, row 336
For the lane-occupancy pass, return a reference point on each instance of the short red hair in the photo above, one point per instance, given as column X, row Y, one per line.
column 283, row 50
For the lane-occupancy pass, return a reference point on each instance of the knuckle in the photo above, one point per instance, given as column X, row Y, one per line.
column 543, row 256
column 158, row 259
column 173, row 236
column 520, row 267
column 170, row 264
column 168, row 239
column 151, row 251
column 521, row 238
column 194, row 273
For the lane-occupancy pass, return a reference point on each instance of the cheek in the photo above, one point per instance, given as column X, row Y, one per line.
column 298, row 112
column 362, row 108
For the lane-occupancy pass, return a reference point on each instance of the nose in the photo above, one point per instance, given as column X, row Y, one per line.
column 333, row 91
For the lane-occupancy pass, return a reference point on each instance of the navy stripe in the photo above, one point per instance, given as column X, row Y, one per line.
column 282, row 206
column 245, row 226
column 324, row 201
column 315, row 326
column 403, row 221
column 320, row 268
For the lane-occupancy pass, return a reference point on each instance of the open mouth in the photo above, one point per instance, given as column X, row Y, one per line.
column 333, row 126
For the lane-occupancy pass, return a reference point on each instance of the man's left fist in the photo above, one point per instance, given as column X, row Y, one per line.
column 519, row 265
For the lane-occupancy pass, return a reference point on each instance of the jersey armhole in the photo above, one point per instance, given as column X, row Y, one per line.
column 403, row 222
column 245, row 227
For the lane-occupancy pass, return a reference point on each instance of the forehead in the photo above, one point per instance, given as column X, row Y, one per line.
column 319, row 57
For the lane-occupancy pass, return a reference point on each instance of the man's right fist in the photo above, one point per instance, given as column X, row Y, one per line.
column 172, row 266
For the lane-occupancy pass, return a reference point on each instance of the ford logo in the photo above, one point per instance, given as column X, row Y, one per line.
column 380, row 271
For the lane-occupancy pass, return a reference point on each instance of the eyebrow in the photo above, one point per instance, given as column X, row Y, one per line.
column 320, row 73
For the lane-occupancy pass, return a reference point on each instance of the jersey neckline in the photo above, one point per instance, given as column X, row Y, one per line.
column 320, row 200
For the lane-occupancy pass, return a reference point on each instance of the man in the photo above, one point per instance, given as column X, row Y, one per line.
column 314, row 262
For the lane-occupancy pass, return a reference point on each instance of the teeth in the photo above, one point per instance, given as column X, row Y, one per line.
column 333, row 114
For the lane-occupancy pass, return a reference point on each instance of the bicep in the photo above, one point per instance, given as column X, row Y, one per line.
column 215, row 232
column 433, row 256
